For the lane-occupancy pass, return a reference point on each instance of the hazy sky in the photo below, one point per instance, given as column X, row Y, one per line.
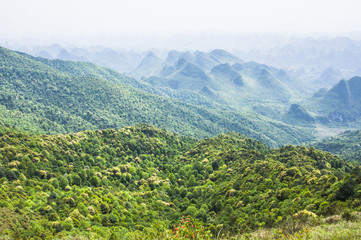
column 76, row 19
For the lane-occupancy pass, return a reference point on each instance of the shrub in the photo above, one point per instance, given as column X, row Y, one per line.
column 190, row 228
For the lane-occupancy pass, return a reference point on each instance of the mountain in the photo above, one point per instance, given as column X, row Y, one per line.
column 137, row 182
column 328, row 110
column 298, row 115
column 339, row 105
column 225, row 73
column 207, row 61
column 182, row 76
column 314, row 60
column 44, row 54
column 119, row 60
column 65, row 55
column 329, row 77
column 320, row 93
column 234, row 84
column 52, row 50
column 169, row 77
column 346, row 145
column 149, row 66
column 54, row 96
column 223, row 56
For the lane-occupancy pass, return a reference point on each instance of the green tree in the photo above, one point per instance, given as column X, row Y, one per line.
column 94, row 181
column 63, row 182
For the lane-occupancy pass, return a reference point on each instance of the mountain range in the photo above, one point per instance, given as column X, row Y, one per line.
column 219, row 81
column 222, row 80
column 218, row 76
column 55, row 96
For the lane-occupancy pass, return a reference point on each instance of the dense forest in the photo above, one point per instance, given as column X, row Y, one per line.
column 144, row 182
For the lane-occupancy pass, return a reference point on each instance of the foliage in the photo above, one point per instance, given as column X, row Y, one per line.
column 138, row 181
column 190, row 228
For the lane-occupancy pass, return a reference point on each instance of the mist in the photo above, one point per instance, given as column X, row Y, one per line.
column 180, row 25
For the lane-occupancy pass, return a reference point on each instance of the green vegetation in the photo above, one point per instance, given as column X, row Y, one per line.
column 138, row 182
column 64, row 97
column 346, row 145
column 94, row 178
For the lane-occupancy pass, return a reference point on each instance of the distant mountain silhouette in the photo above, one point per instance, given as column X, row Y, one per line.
column 235, row 83
column 296, row 114
column 149, row 66
column 329, row 77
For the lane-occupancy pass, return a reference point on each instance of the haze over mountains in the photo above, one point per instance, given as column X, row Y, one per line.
column 218, row 79
column 55, row 96
column 307, row 58
column 327, row 60
column 219, row 76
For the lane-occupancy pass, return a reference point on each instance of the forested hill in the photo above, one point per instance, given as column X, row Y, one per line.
column 347, row 145
column 138, row 181
column 56, row 96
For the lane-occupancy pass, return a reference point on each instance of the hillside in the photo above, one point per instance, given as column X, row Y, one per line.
column 346, row 145
column 53, row 96
column 140, row 180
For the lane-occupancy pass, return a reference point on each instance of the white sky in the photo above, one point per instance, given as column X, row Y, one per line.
column 69, row 19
